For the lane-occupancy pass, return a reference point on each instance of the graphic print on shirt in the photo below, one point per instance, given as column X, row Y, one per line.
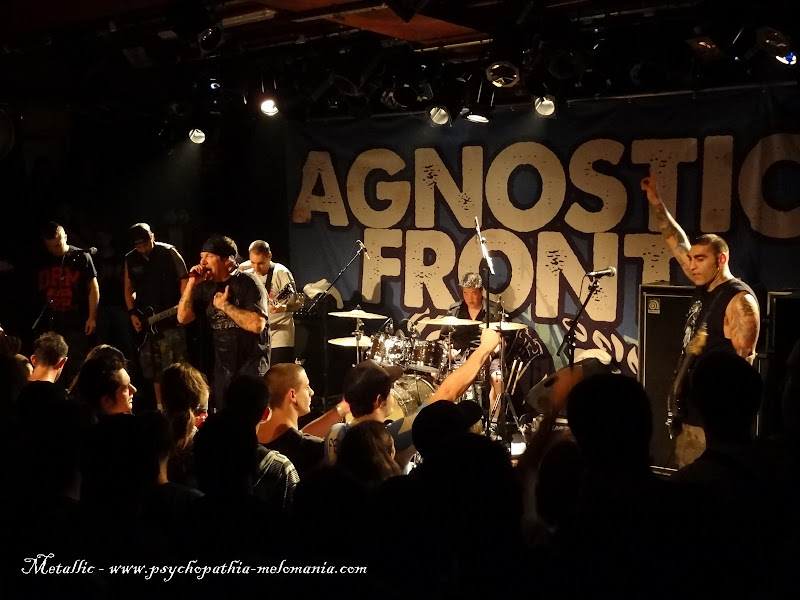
column 691, row 322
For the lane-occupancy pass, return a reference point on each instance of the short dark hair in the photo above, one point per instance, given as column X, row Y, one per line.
column 362, row 385
column 280, row 379
column 97, row 379
column 49, row 348
column 718, row 245
column 248, row 397
column 50, row 230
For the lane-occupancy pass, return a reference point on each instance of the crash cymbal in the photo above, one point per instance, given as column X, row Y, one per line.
column 364, row 342
column 357, row 314
column 447, row 321
column 505, row 325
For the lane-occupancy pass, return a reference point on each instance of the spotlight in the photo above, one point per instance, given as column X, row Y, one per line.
column 210, row 38
column 269, row 107
column 479, row 109
column 197, row 136
column 545, row 105
column 502, row 73
column 776, row 44
column 439, row 115
column 789, row 59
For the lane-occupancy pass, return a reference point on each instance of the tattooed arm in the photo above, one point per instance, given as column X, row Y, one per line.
column 742, row 325
column 674, row 235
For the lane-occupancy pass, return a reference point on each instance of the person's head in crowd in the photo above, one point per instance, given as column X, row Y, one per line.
column 473, row 415
column 558, row 482
column 589, row 404
column 101, row 351
column 225, row 450
column 49, row 357
column 726, row 390
column 158, row 437
column 55, row 239
column 13, row 376
column 260, row 257
column 142, row 237
column 434, row 425
column 367, row 452
column 105, row 385
column 50, row 430
column 25, row 364
column 184, row 392
column 367, row 388
column 218, row 256
column 118, row 464
column 248, row 397
column 472, row 290
column 289, row 389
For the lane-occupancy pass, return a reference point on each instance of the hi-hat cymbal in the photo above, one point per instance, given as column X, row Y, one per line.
column 505, row 325
column 357, row 314
column 364, row 342
column 447, row 320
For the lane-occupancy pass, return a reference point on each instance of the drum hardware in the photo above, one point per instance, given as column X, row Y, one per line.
column 388, row 349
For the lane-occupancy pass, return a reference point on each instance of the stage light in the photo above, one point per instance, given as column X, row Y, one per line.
column 197, row 136
column 269, row 107
column 439, row 115
column 502, row 73
column 210, row 38
column 545, row 105
column 788, row 59
column 479, row 108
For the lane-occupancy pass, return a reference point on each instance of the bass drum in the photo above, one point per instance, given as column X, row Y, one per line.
column 408, row 393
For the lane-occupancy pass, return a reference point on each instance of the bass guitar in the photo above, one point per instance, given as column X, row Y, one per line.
column 150, row 320
column 676, row 411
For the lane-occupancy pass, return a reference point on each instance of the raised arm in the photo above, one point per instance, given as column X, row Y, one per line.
column 742, row 324
column 674, row 235
column 248, row 320
column 185, row 306
column 94, row 300
column 459, row 380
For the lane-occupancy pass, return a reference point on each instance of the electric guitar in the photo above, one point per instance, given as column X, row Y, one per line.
column 676, row 411
column 283, row 295
column 150, row 320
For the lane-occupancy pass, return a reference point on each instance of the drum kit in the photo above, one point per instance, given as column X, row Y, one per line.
column 427, row 362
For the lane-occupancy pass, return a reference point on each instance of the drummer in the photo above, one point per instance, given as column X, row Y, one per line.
column 467, row 337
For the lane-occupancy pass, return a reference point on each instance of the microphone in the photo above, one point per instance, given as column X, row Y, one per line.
column 364, row 248
column 194, row 274
column 91, row 250
column 609, row 272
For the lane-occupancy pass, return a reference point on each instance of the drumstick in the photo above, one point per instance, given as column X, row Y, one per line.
column 521, row 372
column 511, row 375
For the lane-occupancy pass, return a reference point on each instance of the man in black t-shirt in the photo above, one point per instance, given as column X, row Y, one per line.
column 722, row 304
column 69, row 292
column 234, row 306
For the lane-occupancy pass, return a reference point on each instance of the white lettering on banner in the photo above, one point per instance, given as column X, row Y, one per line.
column 431, row 174
column 319, row 168
column 655, row 254
column 396, row 193
column 379, row 265
column 551, row 196
column 715, row 211
column 609, row 189
column 518, row 257
column 663, row 156
column 765, row 219
column 422, row 275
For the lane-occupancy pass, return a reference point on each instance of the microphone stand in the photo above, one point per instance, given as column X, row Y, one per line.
column 488, row 269
column 326, row 293
column 568, row 343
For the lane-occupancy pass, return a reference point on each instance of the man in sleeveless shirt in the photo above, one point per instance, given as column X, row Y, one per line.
column 726, row 305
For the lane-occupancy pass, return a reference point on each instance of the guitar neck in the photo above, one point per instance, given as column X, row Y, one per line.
column 163, row 315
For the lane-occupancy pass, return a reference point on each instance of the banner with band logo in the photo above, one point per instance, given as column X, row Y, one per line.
column 555, row 198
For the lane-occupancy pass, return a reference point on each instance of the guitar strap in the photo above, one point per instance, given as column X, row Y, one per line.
column 269, row 279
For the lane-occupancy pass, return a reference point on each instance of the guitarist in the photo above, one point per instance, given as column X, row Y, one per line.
column 282, row 290
column 724, row 304
column 154, row 278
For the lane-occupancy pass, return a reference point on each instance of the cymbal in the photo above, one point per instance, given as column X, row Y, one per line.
column 447, row 321
column 363, row 342
column 357, row 314
column 505, row 325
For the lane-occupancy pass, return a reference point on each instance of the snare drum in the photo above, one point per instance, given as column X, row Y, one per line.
column 388, row 349
column 408, row 393
column 426, row 356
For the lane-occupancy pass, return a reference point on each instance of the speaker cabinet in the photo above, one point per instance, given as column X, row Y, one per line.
column 780, row 330
column 661, row 317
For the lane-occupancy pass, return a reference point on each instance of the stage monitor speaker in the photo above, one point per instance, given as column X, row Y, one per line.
column 661, row 317
column 781, row 331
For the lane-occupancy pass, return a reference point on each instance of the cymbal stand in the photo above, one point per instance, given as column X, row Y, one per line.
column 358, row 334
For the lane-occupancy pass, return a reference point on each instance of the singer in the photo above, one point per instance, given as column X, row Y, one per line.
column 69, row 295
column 234, row 306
